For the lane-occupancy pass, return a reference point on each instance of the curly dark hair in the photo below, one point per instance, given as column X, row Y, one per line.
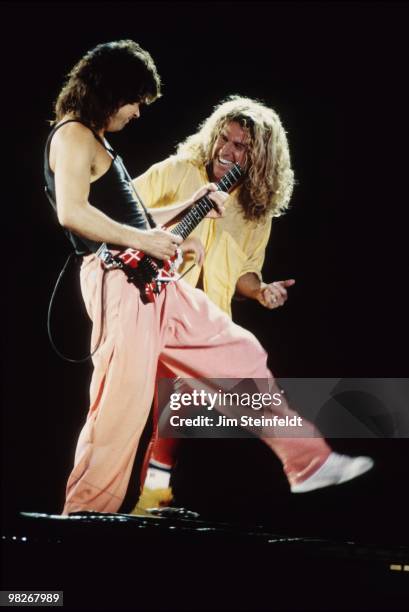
column 107, row 77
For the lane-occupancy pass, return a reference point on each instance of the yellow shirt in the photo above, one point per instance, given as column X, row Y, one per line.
column 233, row 246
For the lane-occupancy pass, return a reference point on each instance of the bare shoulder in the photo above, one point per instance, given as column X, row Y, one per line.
column 74, row 133
column 74, row 140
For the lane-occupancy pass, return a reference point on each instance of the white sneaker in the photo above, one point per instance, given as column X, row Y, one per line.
column 336, row 469
column 157, row 477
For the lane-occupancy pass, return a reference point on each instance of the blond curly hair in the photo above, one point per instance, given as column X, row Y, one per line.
column 269, row 180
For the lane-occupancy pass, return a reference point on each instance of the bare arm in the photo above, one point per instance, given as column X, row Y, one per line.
column 168, row 213
column 269, row 295
column 73, row 154
column 248, row 285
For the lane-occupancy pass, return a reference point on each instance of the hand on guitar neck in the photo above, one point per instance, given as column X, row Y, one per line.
column 216, row 196
column 152, row 274
column 169, row 215
column 157, row 240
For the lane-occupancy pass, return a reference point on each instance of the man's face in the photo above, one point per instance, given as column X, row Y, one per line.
column 122, row 116
column 230, row 148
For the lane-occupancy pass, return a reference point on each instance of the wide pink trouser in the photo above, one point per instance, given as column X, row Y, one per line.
column 183, row 331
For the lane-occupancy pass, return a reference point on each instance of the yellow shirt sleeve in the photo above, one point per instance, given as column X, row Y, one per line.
column 158, row 186
column 256, row 247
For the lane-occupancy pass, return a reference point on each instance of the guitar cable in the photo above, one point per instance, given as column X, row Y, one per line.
column 50, row 306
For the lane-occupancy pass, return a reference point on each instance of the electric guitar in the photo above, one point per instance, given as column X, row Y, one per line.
column 149, row 274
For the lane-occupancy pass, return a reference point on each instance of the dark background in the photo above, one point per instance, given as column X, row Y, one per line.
column 335, row 73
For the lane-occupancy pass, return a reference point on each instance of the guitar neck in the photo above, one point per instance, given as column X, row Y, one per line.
column 200, row 208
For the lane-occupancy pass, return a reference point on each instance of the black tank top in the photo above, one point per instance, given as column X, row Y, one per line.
column 111, row 193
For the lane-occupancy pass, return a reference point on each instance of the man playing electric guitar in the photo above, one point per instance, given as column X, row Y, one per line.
column 96, row 204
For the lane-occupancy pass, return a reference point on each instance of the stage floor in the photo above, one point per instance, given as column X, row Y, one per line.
column 120, row 561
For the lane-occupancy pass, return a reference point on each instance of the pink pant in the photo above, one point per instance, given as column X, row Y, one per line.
column 182, row 331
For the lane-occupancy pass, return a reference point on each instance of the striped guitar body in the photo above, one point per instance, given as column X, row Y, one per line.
column 151, row 275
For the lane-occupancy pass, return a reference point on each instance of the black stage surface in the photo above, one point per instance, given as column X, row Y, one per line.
column 115, row 561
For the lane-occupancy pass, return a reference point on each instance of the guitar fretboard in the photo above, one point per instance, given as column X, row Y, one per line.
column 200, row 209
